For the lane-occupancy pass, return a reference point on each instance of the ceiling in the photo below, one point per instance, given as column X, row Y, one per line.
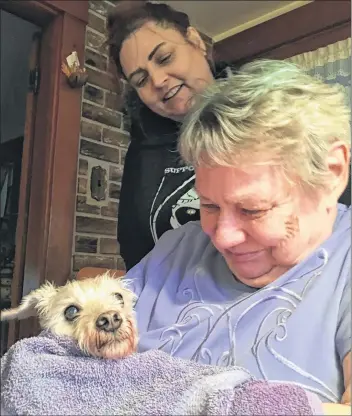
column 220, row 19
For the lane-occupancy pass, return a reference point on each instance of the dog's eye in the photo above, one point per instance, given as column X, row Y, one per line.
column 119, row 297
column 71, row 312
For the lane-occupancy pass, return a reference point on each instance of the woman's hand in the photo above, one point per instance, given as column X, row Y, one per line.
column 336, row 409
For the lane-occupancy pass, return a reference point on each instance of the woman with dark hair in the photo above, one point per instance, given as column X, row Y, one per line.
column 165, row 62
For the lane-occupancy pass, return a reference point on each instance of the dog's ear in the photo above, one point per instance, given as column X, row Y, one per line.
column 31, row 304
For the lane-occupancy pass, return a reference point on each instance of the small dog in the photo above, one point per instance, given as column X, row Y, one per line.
column 97, row 313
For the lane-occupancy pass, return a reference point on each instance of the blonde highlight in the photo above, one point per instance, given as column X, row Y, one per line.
column 269, row 112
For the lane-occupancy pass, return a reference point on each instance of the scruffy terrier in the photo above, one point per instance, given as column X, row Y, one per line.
column 97, row 313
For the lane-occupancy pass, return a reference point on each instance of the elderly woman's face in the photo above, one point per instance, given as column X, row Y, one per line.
column 165, row 69
column 260, row 224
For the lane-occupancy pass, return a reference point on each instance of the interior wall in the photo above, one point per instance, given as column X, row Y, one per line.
column 16, row 39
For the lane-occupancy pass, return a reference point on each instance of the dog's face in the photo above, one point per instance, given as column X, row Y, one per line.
column 97, row 313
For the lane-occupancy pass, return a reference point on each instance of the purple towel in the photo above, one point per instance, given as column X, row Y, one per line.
column 47, row 375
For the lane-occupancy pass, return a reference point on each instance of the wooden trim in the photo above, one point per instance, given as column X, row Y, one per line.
column 45, row 129
column 295, row 26
column 39, row 11
column 310, row 43
column 34, row 11
column 64, row 166
column 52, row 198
column 77, row 9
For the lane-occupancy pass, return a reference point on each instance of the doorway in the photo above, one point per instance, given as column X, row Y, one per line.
column 39, row 158
column 19, row 46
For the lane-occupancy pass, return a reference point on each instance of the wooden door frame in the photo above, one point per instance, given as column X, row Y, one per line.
column 52, row 199
column 307, row 28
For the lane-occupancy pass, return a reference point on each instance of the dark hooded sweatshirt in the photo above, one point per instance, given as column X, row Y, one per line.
column 157, row 191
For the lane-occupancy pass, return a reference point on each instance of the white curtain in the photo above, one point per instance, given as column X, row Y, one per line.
column 332, row 64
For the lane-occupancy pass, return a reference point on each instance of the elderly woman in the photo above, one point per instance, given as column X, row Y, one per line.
column 263, row 281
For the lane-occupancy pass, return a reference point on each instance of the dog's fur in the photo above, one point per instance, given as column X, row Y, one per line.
column 92, row 297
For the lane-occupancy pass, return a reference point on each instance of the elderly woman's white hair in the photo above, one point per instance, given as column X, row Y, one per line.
column 270, row 112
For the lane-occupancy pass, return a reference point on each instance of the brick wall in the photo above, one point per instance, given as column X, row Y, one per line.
column 103, row 144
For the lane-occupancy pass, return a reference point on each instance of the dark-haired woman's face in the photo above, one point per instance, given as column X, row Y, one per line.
column 165, row 68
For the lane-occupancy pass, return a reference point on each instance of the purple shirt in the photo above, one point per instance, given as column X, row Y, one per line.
column 296, row 329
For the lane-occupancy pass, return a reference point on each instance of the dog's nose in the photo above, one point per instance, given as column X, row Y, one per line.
column 108, row 322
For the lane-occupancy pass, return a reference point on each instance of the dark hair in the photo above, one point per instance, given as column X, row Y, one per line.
column 129, row 16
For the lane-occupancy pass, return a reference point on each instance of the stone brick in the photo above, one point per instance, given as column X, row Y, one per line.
column 114, row 191
column 110, row 210
column 96, row 95
column 120, row 264
column 96, row 22
column 123, row 157
column 115, row 173
column 95, row 41
column 88, row 225
column 100, row 7
column 82, row 206
column 95, row 59
column 102, row 79
column 82, row 186
column 100, row 151
column 90, row 130
column 86, row 244
column 116, row 138
column 82, row 166
column 102, row 115
column 109, row 246
column 114, row 101
column 80, row 261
